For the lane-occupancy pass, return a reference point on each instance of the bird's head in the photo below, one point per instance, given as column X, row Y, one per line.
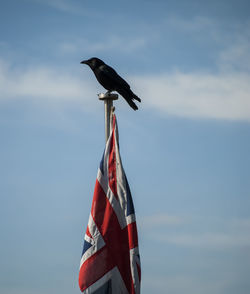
column 93, row 62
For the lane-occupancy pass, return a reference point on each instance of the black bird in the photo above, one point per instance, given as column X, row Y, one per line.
column 111, row 81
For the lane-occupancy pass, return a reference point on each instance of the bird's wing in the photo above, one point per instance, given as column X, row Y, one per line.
column 110, row 73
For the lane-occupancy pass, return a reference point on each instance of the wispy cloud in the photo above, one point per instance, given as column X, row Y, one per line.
column 198, row 95
column 113, row 42
column 43, row 84
column 219, row 94
column 63, row 5
column 197, row 24
column 193, row 95
column 227, row 234
column 236, row 56
column 208, row 240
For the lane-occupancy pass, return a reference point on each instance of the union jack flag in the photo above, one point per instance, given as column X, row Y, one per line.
column 110, row 260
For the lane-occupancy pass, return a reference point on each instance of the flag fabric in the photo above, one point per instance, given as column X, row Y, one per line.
column 110, row 260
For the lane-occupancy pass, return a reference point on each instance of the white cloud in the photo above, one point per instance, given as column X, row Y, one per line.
column 236, row 56
column 198, row 95
column 113, row 42
column 197, row 24
column 226, row 234
column 208, row 240
column 63, row 5
column 193, row 95
column 44, row 84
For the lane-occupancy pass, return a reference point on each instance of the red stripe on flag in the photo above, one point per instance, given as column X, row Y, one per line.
column 132, row 235
column 112, row 165
column 94, row 268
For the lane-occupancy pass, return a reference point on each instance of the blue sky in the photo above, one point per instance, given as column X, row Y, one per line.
column 185, row 152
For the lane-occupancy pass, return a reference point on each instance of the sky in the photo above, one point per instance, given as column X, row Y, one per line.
column 185, row 151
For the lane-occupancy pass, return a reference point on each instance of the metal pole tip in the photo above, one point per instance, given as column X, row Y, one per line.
column 108, row 96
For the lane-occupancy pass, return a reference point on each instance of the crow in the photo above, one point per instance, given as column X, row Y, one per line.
column 111, row 81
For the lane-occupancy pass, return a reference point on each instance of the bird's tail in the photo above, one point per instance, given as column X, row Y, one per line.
column 129, row 96
column 135, row 97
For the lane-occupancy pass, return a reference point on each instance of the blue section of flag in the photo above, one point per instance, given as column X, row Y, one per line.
column 101, row 163
column 130, row 205
column 86, row 246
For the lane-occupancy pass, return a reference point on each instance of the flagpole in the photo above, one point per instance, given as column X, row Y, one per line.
column 108, row 104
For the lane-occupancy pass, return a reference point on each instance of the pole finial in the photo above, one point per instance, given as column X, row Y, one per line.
column 108, row 96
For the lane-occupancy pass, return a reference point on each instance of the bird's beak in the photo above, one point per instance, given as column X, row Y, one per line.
column 84, row 62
